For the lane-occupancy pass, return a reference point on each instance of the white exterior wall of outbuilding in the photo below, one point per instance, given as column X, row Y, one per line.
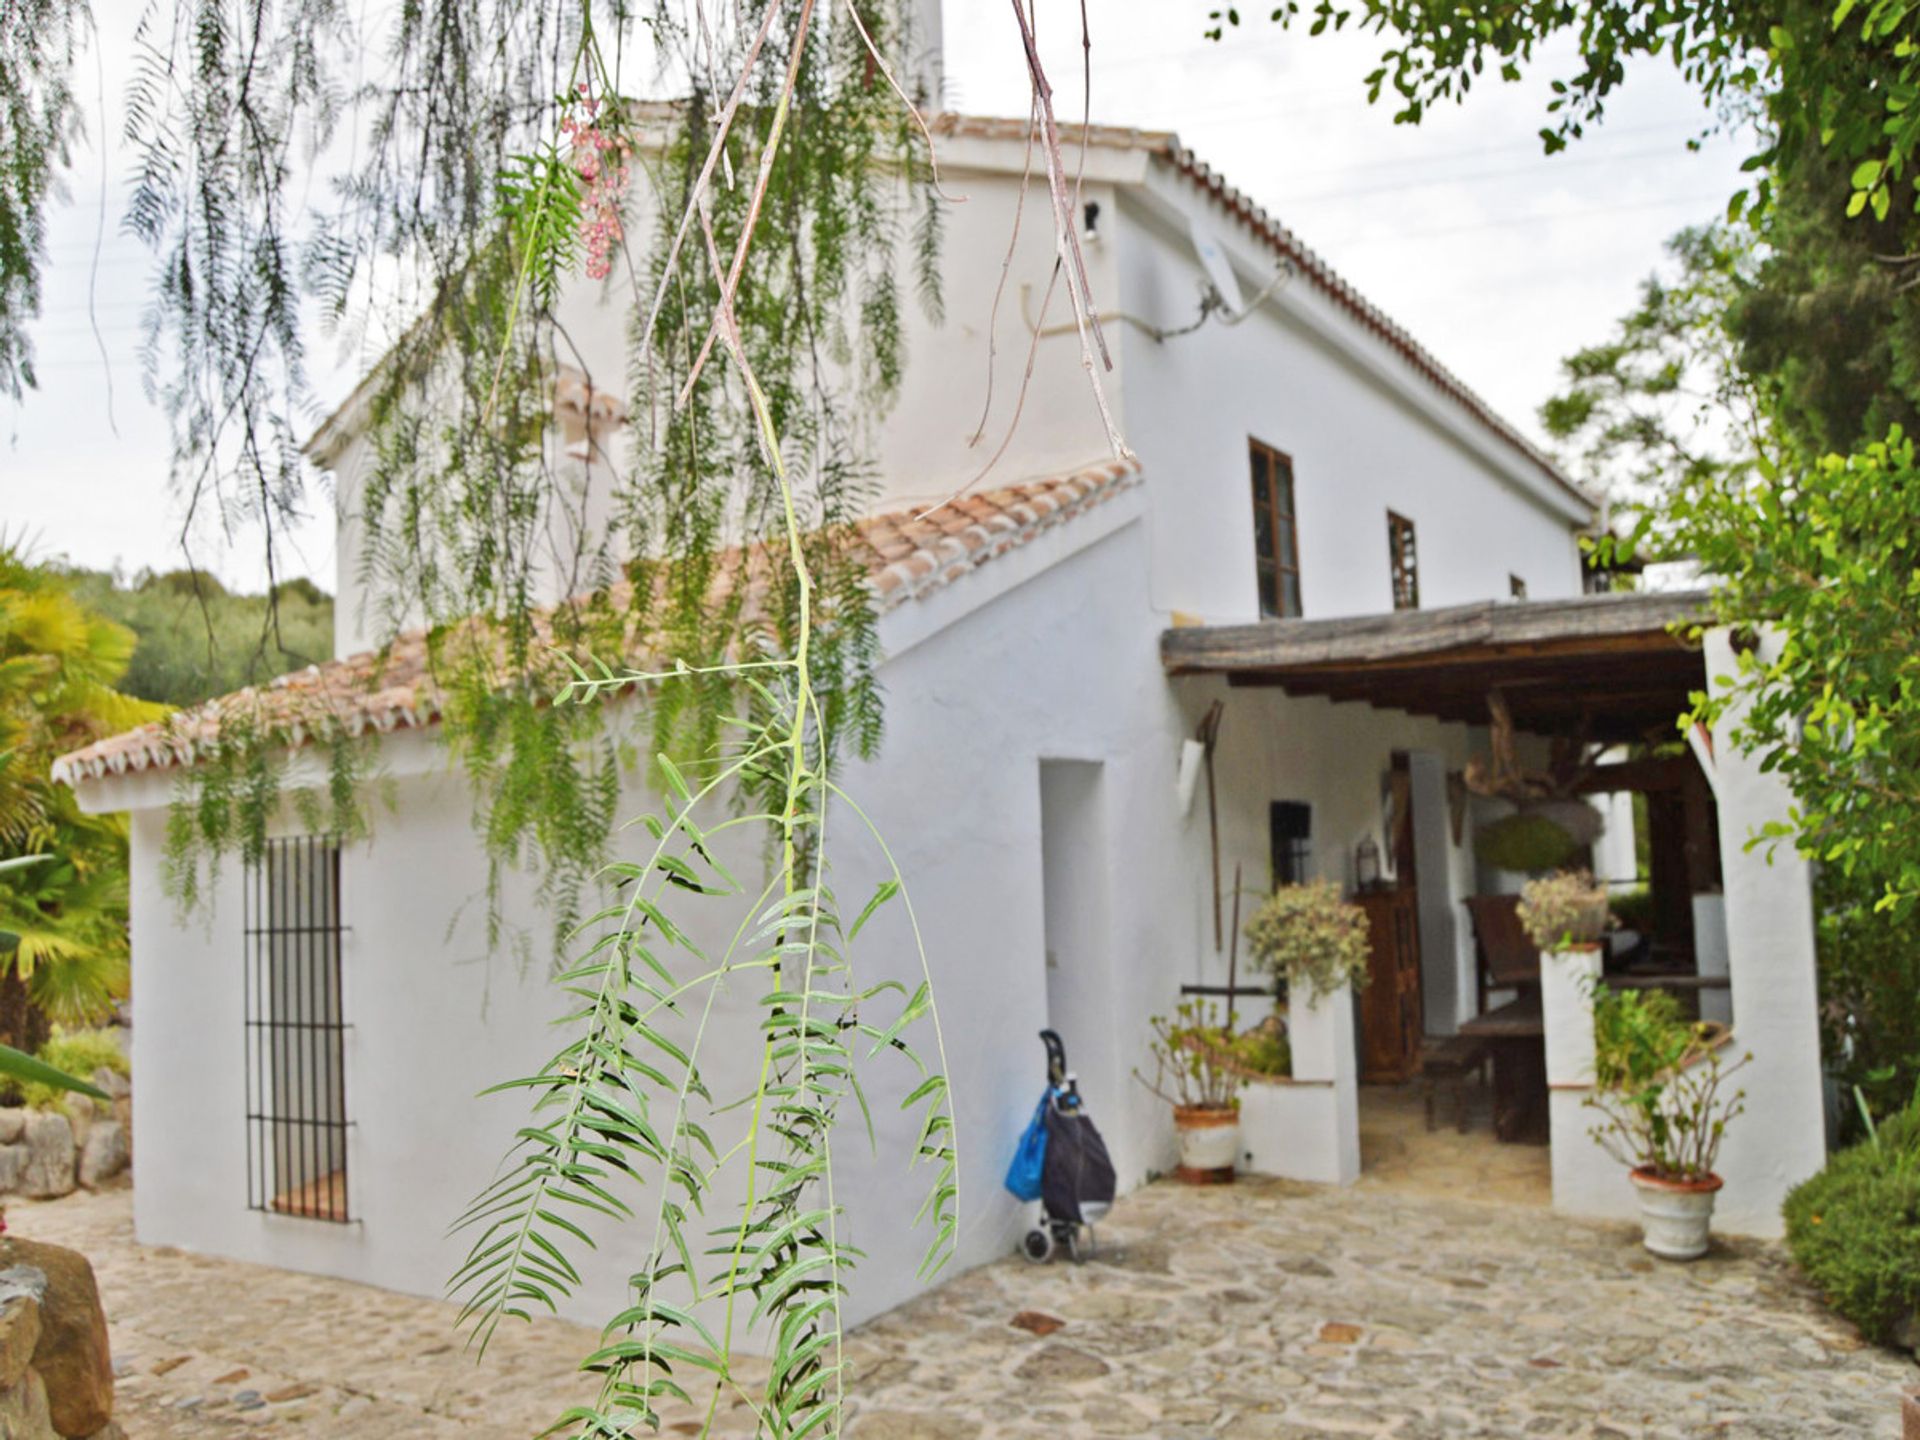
column 1046, row 655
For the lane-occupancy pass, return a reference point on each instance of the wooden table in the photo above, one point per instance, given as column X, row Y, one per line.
column 1517, row 1035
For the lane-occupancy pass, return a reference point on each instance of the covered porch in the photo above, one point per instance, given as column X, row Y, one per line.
column 1569, row 709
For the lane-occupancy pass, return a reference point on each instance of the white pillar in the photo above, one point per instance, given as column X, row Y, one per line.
column 1710, row 955
column 1309, row 1129
column 1586, row 1180
column 1781, row 1140
column 926, row 59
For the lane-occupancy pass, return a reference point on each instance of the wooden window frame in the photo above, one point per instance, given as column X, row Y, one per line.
column 1273, row 569
column 1403, row 560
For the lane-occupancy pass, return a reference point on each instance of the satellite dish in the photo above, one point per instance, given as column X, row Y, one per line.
column 1213, row 260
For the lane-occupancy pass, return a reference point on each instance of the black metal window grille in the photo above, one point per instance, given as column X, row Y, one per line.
column 296, row 1072
column 1290, row 831
column 1404, row 555
column 1276, row 532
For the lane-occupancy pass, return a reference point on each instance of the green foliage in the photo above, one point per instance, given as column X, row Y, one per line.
column 73, row 1053
column 1855, row 1228
column 1309, row 935
column 1869, row 991
column 1263, row 1050
column 1193, row 1059
column 39, row 119
column 65, row 918
column 197, row 640
column 1563, row 909
column 1829, row 695
column 1525, row 843
column 36, row 1075
column 1634, row 908
column 1658, row 1085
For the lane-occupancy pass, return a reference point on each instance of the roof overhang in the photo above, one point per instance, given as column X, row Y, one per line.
column 1609, row 667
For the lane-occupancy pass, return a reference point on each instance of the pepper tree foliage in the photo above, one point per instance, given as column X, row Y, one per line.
column 708, row 544
column 39, row 118
column 1764, row 401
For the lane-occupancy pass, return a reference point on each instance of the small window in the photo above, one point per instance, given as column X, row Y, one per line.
column 296, row 1053
column 1276, row 533
column 1290, row 831
column 1404, row 555
column 1516, row 587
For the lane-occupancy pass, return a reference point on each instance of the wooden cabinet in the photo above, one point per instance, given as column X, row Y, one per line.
column 1390, row 1006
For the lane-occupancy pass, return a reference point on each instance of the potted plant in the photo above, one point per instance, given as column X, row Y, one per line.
column 1313, row 937
column 1195, row 1074
column 1564, row 911
column 1659, row 1085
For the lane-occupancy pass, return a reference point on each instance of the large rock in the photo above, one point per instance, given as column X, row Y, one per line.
column 13, row 1167
column 72, row 1356
column 50, row 1156
column 25, row 1412
column 21, row 1290
column 104, row 1155
column 13, row 1124
column 106, row 1078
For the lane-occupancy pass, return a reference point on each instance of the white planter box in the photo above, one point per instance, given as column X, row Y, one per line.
column 1308, row 1128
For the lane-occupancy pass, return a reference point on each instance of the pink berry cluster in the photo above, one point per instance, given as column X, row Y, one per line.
column 601, row 161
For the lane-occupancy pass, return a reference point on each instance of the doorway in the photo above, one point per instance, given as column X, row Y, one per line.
column 1077, row 929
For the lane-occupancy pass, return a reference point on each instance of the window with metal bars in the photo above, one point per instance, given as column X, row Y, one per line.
column 296, row 1029
column 1404, row 556
column 1276, row 532
column 1290, row 835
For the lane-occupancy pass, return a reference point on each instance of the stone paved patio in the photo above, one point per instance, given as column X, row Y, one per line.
column 1266, row 1311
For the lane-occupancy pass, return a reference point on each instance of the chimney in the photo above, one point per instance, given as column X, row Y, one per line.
column 924, row 47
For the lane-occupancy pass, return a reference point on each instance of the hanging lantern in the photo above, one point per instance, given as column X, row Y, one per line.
column 1366, row 865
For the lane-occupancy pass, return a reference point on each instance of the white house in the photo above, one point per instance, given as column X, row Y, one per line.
column 1304, row 467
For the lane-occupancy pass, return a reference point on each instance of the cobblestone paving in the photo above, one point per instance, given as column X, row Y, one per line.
column 1264, row 1311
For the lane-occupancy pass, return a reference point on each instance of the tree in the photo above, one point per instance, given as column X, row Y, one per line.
column 66, row 915
column 195, row 639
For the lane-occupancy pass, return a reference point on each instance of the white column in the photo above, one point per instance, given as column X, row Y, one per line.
column 1309, row 1128
column 1770, row 955
column 1586, row 1180
column 1710, row 955
column 926, row 54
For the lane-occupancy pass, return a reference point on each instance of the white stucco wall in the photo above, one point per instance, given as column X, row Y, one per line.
column 1366, row 431
column 1048, row 654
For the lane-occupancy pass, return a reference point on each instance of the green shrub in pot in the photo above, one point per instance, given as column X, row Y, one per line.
column 1564, row 910
column 1310, row 934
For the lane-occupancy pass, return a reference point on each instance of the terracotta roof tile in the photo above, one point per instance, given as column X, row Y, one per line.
column 908, row 556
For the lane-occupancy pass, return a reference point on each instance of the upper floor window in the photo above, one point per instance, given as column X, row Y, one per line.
column 1516, row 587
column 1404, row 555
column 1276, row 533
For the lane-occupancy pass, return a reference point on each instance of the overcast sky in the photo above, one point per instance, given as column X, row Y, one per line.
column 1498, row 259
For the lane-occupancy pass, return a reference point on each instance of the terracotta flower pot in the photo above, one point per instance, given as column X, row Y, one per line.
column 1675, row 1215
column 1209, row 1138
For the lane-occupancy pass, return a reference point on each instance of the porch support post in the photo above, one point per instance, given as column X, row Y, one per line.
column 1781, row 1140
column 1308, row 1127
column 1586, row 1180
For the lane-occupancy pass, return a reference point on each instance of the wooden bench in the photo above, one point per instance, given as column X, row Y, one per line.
column 1450, row 1063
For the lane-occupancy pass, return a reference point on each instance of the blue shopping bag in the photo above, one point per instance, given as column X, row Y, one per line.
column 1030, row 1156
